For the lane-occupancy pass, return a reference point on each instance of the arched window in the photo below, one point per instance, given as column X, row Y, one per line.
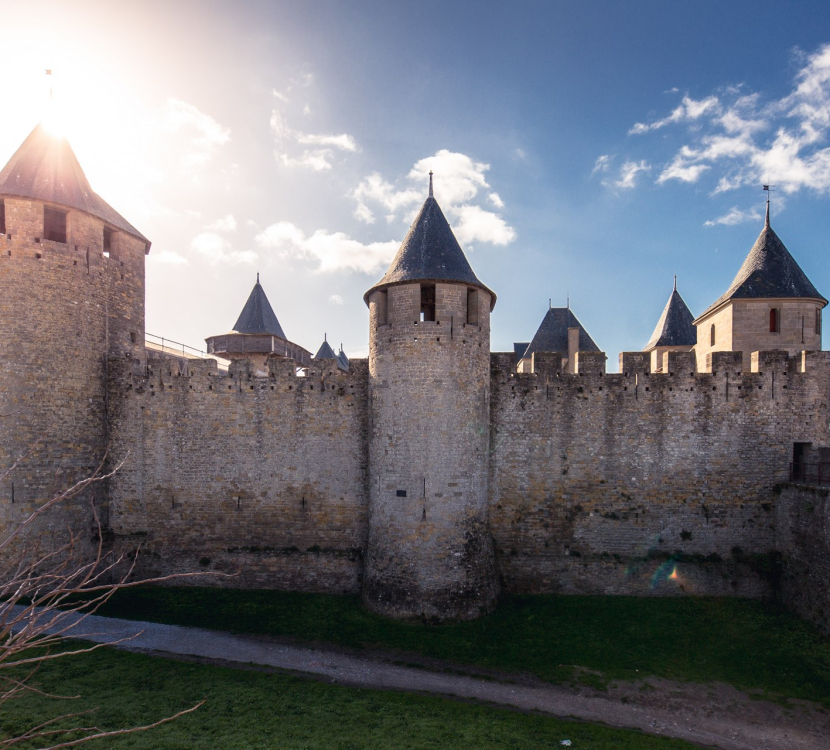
column 774, row 320
column 712, row 335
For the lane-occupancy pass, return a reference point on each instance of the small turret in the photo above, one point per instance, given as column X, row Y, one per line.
column 257, row 335
column 675, row 331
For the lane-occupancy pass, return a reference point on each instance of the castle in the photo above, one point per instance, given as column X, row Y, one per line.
column 433, row 474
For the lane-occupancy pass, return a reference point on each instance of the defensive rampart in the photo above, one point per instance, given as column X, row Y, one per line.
column 230, row 471
column 639, row 482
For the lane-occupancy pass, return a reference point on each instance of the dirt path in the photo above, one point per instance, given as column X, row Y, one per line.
column 714, row 715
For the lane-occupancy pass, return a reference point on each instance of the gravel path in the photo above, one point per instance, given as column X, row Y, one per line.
column 710, row 715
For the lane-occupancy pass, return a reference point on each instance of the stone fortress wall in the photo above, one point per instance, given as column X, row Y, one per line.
column 65, row 308
column 635, row 482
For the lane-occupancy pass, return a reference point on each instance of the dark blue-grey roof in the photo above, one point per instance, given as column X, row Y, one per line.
column 325, row 351
column 342, row 359
column 45, row 168
column 552, row 335
column 430, row 252
column 258, row 316
column 768, row 271
column 519, row 349
column 676, row 325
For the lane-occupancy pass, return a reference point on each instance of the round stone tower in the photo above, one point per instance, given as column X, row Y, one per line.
column 71, row 297
column 430, row 551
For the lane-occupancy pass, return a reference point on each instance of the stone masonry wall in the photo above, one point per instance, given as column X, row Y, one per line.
column 261, row 476
column 647, row 483
column 64, row 307
column 802, row 527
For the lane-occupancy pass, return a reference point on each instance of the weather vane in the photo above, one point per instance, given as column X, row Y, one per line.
column 430, row 183
column 770, row 189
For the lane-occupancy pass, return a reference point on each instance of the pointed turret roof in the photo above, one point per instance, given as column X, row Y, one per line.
column 258, row 316
column 342, row 359
column 430, row 252
column 769, row 271
column 45, row 168
column 676, row 324
column 552, row 335
column 325, row 351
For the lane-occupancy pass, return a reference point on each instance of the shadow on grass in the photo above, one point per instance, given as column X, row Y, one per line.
column 749, row 644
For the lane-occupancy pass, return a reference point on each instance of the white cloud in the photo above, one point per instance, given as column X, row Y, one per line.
column 602, row 164
column 223, row 224
column 477, row 225
column 167, row 258
column 320, row 158
column 689, row 109
column 215, row 249
column 332, row 251
column 736, row 139
column 629, row 171
column 279, row 95
column 206, row 133
column 521, row 153
column 459, row 182
column 734, row 216
column 336, row 299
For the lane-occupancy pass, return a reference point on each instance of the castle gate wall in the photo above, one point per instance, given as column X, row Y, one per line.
column 264, row 477
column 640, row 482
column 802, row 519
column 64, row 307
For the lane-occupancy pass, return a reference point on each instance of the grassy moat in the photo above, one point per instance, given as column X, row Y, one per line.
column 752, row 645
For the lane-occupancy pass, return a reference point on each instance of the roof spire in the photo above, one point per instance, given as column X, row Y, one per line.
column 257, row 277
column 769, row 189
column 675, row 282
column 430, row 183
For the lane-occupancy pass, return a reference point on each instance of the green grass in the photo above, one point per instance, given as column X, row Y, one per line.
column 749, row 644
column 246, row 710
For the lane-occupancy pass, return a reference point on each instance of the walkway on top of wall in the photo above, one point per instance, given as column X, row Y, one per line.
column 713, row 715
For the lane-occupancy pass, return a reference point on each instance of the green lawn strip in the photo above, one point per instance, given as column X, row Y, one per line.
column 248, row 709
column 752, row 645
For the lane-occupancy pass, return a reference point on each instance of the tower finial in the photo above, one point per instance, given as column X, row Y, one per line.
column 675, row 282
column 430, row 183
column 257, row 277
column 769, row 189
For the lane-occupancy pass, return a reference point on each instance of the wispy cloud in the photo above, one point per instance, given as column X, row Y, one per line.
column 330, row 251
column 602, row 164
column 460, row 186
column 737, row 138
column 319, row 157
column 216, row 250
column 629, row 171
column 166, row 258
column 734, row 216
column 336, row 299
column 225, row 223
column 206, row 134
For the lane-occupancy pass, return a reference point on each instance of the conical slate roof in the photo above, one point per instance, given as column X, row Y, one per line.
column 768, row 271
column 430, row 252
column 552, row 335
column 45, row 168
column 676, row 325
column 258, row 316
column 325, row 351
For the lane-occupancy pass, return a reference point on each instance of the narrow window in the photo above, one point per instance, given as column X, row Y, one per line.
column 107, row 241
column 382, row 307
column 774, row 320
column 472, row 307
column 54, row 225
column 427, row 301
column 2, row 217
column 818, row 322
column 712, row 335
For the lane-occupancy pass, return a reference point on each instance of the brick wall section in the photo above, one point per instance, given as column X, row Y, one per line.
column 63, row 309
column 597, row 480
column 802, row 517
column 234, row 472
column 429, row 551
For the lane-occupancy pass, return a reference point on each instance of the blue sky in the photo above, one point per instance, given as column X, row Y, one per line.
column 589, row 149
